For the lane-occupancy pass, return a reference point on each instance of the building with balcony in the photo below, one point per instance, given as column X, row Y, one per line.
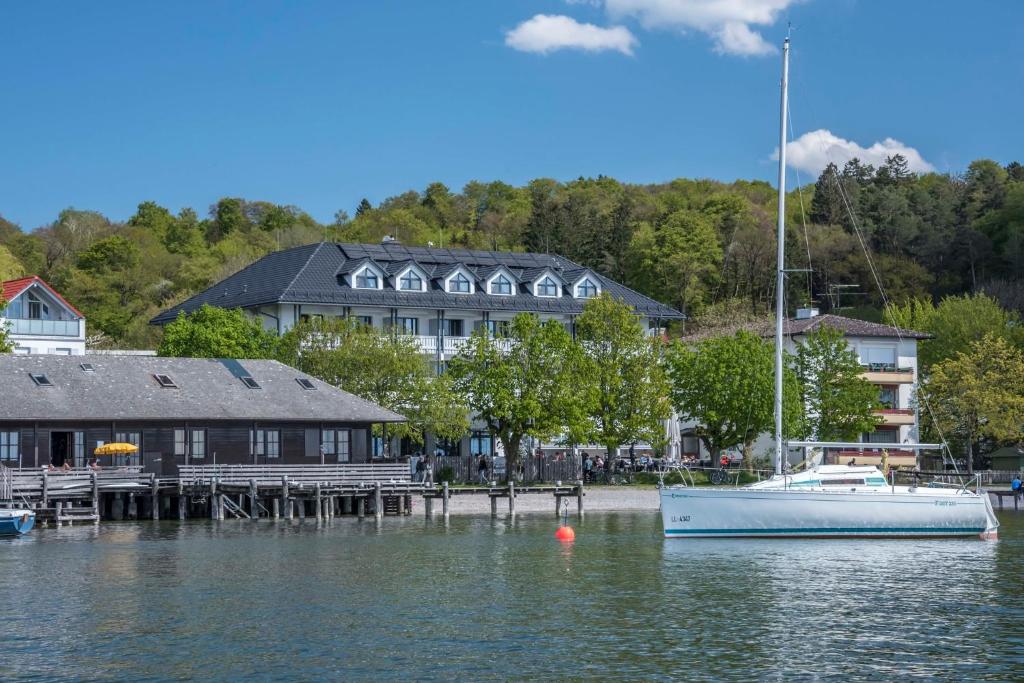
column 439, row 296
column 40, row 320
column 888, row 357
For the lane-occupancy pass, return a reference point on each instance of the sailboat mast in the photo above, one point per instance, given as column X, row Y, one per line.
column 780, row 274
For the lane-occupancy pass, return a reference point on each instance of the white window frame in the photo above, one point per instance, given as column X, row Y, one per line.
column 10, row 444
column 378, row 276
column 493, row 281
column 415, row 271
column 451, row 278
column 203, row 442
column 554, row 281
column 180, row 442
column 586, row 280
column 267, row 442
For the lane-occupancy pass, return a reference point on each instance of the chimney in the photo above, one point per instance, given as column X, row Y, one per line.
column 806, row 313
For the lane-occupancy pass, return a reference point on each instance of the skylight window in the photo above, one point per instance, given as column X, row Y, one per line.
column 87, row 367
column 251, row 383
column 40, row 380
column 305, row 384
column 165, row 381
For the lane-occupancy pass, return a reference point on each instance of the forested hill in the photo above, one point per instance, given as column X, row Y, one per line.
column 694, row 244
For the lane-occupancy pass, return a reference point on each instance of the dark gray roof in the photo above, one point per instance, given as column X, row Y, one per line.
column 850, row 327
column 309, row 275
column 124, row 388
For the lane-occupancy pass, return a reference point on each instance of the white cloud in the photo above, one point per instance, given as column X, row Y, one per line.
column 727, row 22
column 812, row 152
column 546, row 33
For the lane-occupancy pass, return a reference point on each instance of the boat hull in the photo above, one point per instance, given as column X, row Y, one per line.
column 16, row 522
column 723, row 513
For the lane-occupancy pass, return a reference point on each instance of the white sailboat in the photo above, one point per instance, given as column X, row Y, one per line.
column 824, row 500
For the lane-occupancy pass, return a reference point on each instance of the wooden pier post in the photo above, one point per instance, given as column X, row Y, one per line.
column 361, row 507
column 428, row 507
column 494, row 506
column 319, row 503
column 95, row 497
column 275, row 505
column 579, row 497
column 154, row 497
column 401, row 504
column 558, row 504
column 213, row 500
column 182, row 505
column 132, row 503
column 286, row 508
column 254, row 503
column 300, row 504
column 46, row 489
column 444, row 499
column 378, row 501
column 512, row 498
column 57, row 513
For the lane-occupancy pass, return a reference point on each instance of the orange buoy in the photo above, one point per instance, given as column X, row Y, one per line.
column 565, row 533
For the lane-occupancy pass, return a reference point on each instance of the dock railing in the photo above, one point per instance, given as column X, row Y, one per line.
column 334, row 474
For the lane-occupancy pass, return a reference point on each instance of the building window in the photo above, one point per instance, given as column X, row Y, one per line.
column 336, row 444
column 888, row 396
column 407, row 325
column 881, row 436
column 9, row 445
column 547, row 287
column 878, row 358
column 180, row 444
column 481, row 443
column 198, row 441
column 501, row 285
column 267, row 443
column 497, row 328
column 367, row 279
column 35, row 307
column 459, row 284
column 78, row 448
column 410, row 282
column 586, row 289
column 366, row 320
column 451, row 327
column 306, row 317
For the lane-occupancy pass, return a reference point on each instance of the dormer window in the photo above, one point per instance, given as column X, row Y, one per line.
column 586, row 289
column 459, row 284
column 501, row 285
column 410, row 282
column 367, row 279
column 546, row 286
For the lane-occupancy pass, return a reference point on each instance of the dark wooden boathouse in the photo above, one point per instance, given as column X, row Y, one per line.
column 178, row 411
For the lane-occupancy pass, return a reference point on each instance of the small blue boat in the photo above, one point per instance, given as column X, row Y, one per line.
column 15, row 522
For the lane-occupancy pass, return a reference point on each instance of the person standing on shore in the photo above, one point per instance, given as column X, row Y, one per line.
column 481, row 468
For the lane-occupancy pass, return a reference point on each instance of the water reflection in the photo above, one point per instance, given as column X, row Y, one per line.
column 493, row 598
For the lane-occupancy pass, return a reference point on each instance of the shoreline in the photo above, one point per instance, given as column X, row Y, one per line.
column 595, row 499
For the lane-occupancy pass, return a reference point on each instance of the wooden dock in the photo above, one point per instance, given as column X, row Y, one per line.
column 320, row 492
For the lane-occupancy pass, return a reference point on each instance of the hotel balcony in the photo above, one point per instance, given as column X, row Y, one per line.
column 896, row 417
column 887, row 374
column 44, row 328
column 450, row 346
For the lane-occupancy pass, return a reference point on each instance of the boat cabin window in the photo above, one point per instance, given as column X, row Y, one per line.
column 846, row 481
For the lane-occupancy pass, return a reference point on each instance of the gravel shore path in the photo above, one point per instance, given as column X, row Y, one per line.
column 595, row 499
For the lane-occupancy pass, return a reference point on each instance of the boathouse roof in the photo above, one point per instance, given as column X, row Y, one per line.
column 315, row 274
column 106, row 387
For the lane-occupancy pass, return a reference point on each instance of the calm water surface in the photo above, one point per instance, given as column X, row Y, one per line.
column 483, row 599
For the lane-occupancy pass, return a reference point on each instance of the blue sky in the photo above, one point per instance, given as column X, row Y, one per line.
column 319, row 104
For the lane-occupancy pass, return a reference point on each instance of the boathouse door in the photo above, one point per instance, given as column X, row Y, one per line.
column 60, row 448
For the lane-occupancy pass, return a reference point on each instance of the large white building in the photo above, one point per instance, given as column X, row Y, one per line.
column 40, row 320
column 439, row 296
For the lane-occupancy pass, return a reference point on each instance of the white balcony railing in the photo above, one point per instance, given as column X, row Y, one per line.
column 451, row 346
column 44, row 328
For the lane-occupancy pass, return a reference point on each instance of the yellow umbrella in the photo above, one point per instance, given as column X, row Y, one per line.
column 116, row 449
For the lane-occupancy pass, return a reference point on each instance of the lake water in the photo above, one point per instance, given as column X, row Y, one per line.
column 482, row 599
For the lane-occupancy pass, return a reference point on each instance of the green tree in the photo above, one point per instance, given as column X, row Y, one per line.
column 839, row 402
column 10, row 267
column 955, row 324
column 212, row 332
column 726, row 385
column 978, row 394
column 154, row 218
column 626, row 373
column 388, row 369
column 525, row 384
